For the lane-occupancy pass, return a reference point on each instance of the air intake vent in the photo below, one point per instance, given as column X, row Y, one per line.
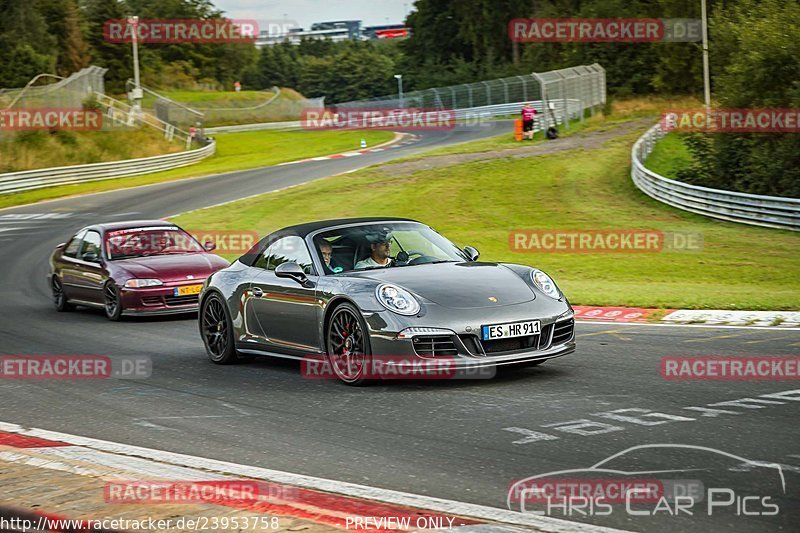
column 434, row 346
column 181, row 300
column 563, row 331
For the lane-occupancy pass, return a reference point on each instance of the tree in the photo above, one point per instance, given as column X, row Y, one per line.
column 65, row 23
column 26, row 47
column 117, row 58
column 756, row 64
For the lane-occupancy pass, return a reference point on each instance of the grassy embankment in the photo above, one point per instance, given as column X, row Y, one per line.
column 235, row 151
column 481, row 202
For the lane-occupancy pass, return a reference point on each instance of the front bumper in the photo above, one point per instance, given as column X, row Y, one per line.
column 157, row 301
column 458, row 344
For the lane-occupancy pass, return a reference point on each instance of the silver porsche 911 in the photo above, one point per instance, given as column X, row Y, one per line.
column 355, row 292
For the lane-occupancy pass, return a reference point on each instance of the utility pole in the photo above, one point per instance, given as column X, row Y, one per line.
column 399, row 78
column 706, row 74
column 136, row 93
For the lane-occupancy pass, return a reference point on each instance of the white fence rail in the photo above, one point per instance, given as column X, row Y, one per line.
column 753, row 209
column 574, row 110
column 47, row 177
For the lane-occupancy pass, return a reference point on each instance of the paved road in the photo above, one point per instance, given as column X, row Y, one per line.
column 464, row 441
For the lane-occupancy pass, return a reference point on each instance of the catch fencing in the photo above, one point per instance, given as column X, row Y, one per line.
column 569, row 93
column 280, row 105
column 753, row 209
column 85, row 89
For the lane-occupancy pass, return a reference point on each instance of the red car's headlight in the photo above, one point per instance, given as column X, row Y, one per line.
column 140, row 283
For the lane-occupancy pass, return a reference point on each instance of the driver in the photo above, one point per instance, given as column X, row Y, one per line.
column 380, row 243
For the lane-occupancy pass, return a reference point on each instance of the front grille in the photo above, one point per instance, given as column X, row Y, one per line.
column 514, row 344
column 434, row 346
column 563, row 331
column 511, row 345
column 182, row 300
column 152, row 300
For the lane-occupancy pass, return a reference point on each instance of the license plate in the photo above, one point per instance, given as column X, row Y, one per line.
column 187, row 290
column 510, row 329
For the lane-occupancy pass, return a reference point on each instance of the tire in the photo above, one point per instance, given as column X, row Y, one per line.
column 112, row 301
column 349, row 359
column 59, row 298
column 217, row 331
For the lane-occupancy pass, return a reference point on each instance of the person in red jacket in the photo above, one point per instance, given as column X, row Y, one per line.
column 528, row 116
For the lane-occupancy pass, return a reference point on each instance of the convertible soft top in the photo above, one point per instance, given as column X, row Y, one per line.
column 303, row 230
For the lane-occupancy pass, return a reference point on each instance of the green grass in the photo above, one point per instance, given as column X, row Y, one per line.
column 479, row 203
column 235, row 151
column 29, row 150
column 214, row 97
column 669, row 157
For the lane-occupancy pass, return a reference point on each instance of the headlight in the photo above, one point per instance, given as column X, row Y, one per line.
column 140, row 283
column 545, row 284
column 396, row 299
column 410, row 333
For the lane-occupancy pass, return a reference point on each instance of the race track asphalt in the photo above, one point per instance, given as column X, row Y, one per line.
column 465, row 440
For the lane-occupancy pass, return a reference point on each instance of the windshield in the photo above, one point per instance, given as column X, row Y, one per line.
column 142, row 242
column 389, row 245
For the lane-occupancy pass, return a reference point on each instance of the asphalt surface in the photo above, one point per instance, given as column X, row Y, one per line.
column 465, row 440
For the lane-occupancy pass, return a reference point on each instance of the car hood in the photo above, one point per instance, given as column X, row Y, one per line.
column 172, row 268
column 457, row 285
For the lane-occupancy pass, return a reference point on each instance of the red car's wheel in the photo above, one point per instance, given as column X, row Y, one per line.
column 112, row 301
column 59, row 298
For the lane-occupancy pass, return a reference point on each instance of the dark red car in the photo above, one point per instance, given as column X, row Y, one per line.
column 141, row 267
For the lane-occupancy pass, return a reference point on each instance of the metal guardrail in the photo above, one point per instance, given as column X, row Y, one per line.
column 29, row 180
column 296, row 125
column 768, row 211
column 573, row 110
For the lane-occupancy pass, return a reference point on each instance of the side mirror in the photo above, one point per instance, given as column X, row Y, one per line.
column 293, row 271
column 209, row 246
column 472, row 253
column 90, row 257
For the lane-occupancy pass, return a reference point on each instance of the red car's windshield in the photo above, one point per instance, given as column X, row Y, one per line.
column 140, row 242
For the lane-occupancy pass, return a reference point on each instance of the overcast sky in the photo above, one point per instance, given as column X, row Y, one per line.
column 305, row 12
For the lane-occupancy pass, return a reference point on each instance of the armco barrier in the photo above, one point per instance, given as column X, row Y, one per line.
column 571, row 108
column 47, row 177
column 753, row 209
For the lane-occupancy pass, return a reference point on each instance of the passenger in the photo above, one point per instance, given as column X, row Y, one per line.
column 326, row 251
column 381, row 251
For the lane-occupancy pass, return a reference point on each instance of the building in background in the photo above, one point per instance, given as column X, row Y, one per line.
column 387, row 31
column 339, row 30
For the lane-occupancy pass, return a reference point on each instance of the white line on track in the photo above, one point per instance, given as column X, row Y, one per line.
column 706, row 326
column 505, row 516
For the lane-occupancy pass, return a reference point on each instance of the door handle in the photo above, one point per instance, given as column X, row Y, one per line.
column 257, row 292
